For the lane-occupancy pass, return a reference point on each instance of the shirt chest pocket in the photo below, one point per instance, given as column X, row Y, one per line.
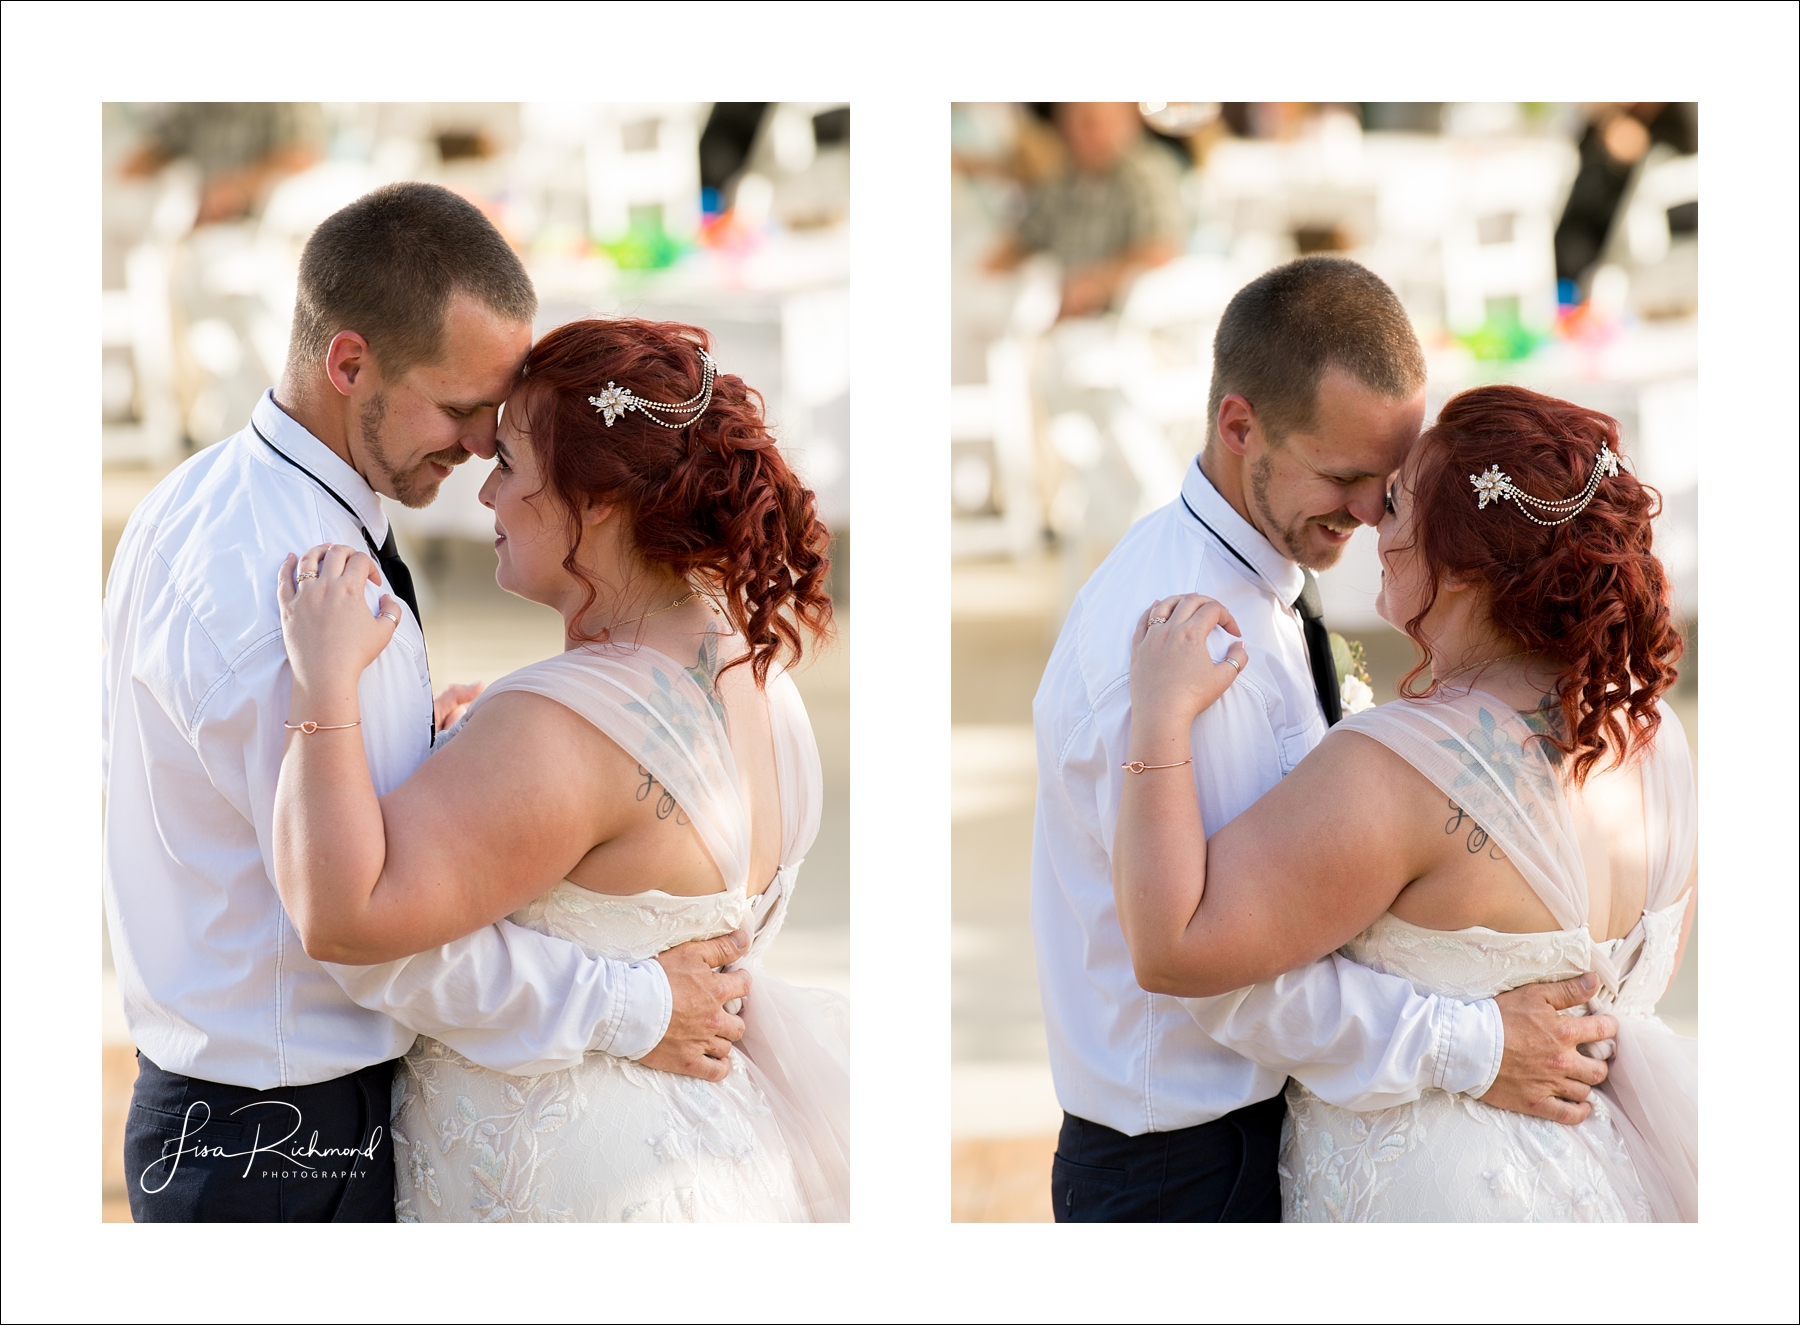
column 407, row 650
column 1298, row 727
column 415, row 657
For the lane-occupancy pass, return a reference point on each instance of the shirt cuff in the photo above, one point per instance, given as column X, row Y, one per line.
column 645, row 1006
column 1471, row 1037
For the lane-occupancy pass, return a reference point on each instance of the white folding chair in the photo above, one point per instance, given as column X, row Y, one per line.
column 1497, row 237
column 643, row 159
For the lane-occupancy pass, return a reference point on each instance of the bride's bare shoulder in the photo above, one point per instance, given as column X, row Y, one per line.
column 1352, row 798
column 520, row 736
column 1358, row 761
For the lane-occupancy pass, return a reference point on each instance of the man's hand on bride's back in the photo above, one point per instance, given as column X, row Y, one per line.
column 1542, row 1070
column 1173, row 674
column 701, row 1032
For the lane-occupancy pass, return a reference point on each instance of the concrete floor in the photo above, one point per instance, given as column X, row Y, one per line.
column 475, row 631
column 1003, row 1112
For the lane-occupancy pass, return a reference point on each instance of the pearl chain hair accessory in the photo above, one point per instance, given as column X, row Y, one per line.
column 1495, row 486
column 617, row 400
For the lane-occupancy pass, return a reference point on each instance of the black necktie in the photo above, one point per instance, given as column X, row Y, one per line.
column 400, row 580
column 1318, row 649
column 394, row 571
column 387, row 556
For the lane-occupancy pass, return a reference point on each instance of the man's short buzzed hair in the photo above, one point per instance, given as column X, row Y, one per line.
column 1284, row 329
column 387, row 267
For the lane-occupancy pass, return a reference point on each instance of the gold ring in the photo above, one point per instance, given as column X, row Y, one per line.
column 307, row 575
column 1158, row 620
column 1233, row 662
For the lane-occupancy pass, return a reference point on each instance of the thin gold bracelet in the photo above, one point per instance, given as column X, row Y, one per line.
column 308, row 728
column 1139, row 766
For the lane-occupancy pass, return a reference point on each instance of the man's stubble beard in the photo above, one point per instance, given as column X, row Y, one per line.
column 413, row 488
column 1290, row 537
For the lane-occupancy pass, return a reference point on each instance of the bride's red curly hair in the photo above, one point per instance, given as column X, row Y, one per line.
column 713, row 501
column 1589, row 593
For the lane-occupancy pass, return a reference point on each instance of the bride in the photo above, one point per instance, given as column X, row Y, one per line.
column 1529, row 816
column 654, row 783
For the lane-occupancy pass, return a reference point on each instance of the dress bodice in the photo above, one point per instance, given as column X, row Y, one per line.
column 638, row 926
column 1467, row 964
column 630, row 929
column 1477, row 963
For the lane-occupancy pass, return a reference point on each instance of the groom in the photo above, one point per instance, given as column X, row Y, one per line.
column 264, row 1076
column 1173, row 1107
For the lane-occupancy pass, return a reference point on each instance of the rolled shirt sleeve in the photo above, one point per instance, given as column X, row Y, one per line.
column 517, row 1001
column 1472, row 1060
column 1356, row 1037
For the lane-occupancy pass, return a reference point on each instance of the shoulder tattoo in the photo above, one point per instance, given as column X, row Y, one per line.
column 664, row 799
column 1475, row 838
column 705, row 672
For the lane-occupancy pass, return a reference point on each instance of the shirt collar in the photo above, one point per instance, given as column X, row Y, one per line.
column 1250, row 549
column 284, row 432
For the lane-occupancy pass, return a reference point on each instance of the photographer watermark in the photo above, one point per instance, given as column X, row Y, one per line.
column 277, row 1159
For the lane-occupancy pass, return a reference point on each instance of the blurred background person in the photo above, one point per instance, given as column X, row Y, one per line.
column 734, row 216
column 240, row 148
column 1112, row 211
column 1616, row 139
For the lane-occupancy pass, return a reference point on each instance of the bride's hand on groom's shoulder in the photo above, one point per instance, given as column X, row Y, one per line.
column 326, row 625
column 1173, row 674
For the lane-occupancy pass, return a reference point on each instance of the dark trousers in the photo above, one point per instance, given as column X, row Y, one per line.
column 1222, row 1172
column 200, row 1152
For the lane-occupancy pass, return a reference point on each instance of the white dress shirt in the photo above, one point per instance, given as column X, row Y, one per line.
column 1140, row 1062
column 196, row 685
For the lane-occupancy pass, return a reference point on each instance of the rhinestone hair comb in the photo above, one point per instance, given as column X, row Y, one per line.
column 617, row 400
column 1495, row 486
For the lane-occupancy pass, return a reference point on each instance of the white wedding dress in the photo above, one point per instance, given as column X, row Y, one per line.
column 611, row 1140
column 1448, row 1157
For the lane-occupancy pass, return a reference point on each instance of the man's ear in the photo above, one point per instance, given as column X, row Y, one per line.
column 347, row 358
column 1237, row 424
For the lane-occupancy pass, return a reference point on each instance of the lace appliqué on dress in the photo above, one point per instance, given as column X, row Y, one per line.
column 502, row 1139
column 478, row 1146
column 1451, row 1158
column 1446, row 1158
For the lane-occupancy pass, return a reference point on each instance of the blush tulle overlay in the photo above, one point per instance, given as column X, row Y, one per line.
column 1448, row 1157
column 611, row 1140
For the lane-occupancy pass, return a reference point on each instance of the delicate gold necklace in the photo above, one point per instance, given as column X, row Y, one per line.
column 1486, row 662
column 686, row 597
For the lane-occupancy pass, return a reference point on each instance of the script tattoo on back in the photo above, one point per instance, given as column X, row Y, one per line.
column 665, row 805
column 1476, row 839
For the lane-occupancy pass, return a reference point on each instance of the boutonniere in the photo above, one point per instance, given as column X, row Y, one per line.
column 1355, row 690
